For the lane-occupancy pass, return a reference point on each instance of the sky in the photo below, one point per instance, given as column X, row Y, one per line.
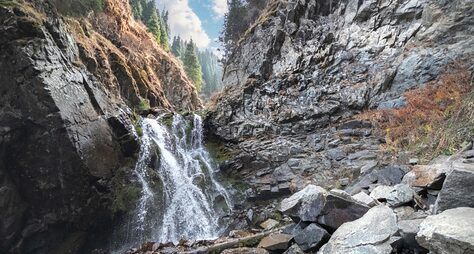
column 200, row 20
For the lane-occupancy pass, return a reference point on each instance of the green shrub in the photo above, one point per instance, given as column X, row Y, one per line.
column 144, row 105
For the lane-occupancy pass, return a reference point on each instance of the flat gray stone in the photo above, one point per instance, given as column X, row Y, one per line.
column 450, row 232
column 305, row 204
column 394, row 195
column 370, row 234
column 458, row 188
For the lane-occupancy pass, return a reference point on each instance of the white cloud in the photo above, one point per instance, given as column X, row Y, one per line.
column 184, row 22
column 220, row 7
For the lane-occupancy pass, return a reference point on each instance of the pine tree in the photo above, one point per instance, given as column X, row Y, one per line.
column 165, row 18
column 154, row 25
column 164, row 39
column 192, row 65
column 149, row 10
column 176, row 48
column 137, row 9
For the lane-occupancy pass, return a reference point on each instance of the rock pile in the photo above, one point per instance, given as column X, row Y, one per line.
column 428, row 209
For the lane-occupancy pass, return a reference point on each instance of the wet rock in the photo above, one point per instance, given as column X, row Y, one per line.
column 394, row 196
column 311, row 237
column 370, row 234
column 306, row 204
column 245, row 251
column 275, row 242
column 448, row 232
column 458, row 188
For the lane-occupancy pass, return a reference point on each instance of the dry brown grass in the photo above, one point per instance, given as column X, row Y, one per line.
column 437, row 119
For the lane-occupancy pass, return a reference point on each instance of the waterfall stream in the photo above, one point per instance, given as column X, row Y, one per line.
column 180, row 197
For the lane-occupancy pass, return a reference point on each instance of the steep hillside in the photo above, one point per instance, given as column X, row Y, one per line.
column 306, row 67
column 69, row 87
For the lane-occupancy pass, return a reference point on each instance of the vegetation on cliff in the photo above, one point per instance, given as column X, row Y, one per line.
column 437, row 119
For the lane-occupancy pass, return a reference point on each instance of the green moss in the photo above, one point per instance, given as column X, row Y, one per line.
column 125, row 197
column 139, row 130
column 8, row 3
column 124, row 193
column 144, row 105
column 218, row 151
column 167, row 120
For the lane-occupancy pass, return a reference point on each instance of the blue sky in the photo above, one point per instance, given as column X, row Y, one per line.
column 198, row 19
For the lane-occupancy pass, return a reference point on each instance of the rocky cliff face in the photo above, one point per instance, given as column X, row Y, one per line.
column 66, row 132
column 307, row 66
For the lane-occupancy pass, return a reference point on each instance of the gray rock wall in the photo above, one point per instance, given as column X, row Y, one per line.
column 309, row 65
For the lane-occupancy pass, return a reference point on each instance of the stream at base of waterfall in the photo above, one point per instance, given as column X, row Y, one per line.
column 180, row 197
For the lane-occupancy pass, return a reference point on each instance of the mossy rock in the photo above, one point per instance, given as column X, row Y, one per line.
column 8, row 3
column 218, row 151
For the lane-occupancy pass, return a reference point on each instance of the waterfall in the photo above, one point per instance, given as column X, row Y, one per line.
column 180, row 197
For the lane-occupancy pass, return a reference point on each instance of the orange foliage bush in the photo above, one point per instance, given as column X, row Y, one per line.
column 430, row 110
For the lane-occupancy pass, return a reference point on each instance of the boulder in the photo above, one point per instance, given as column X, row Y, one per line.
column 449, row 232
column 294, row 249
column 389, row 175
column 245, row 251
column 311, row 237
column 275, row 242
column 408, row 230
column 394, row 195
column 269, row 224
column 458, row 188
column 370, row 234
column 331, row 209
column 427, row 176
column 340, row 208
column 306, row 204
column 363, row 198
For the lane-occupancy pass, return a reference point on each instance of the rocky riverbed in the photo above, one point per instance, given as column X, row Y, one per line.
column 428, row 209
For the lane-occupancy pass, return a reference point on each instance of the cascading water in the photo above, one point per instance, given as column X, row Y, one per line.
column 180, row 197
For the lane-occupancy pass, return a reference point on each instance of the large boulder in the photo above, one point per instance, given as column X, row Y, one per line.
column 311, row 237
column 408, row 230
column 294, row 249
column 458, row 188
column 394, row 195
column 339, row 209
column 276, row 242
column 306, row 204
column 390, row 175
column 427, row 176
column 373, row 233
column 450, row 232
column 331, row 209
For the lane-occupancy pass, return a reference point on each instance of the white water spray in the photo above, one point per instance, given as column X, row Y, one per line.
column 189, row 200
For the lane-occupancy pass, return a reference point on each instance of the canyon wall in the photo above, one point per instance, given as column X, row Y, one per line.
column 70, row 89
column 306, row 67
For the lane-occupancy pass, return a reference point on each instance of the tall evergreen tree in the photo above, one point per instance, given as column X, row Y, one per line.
column 176, row 47
column 164, row 39
column 154, row 25
column 149, row 10
column 192, row 65
column 137, row 8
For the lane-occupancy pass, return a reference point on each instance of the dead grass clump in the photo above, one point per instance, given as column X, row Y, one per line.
column 437, row 119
